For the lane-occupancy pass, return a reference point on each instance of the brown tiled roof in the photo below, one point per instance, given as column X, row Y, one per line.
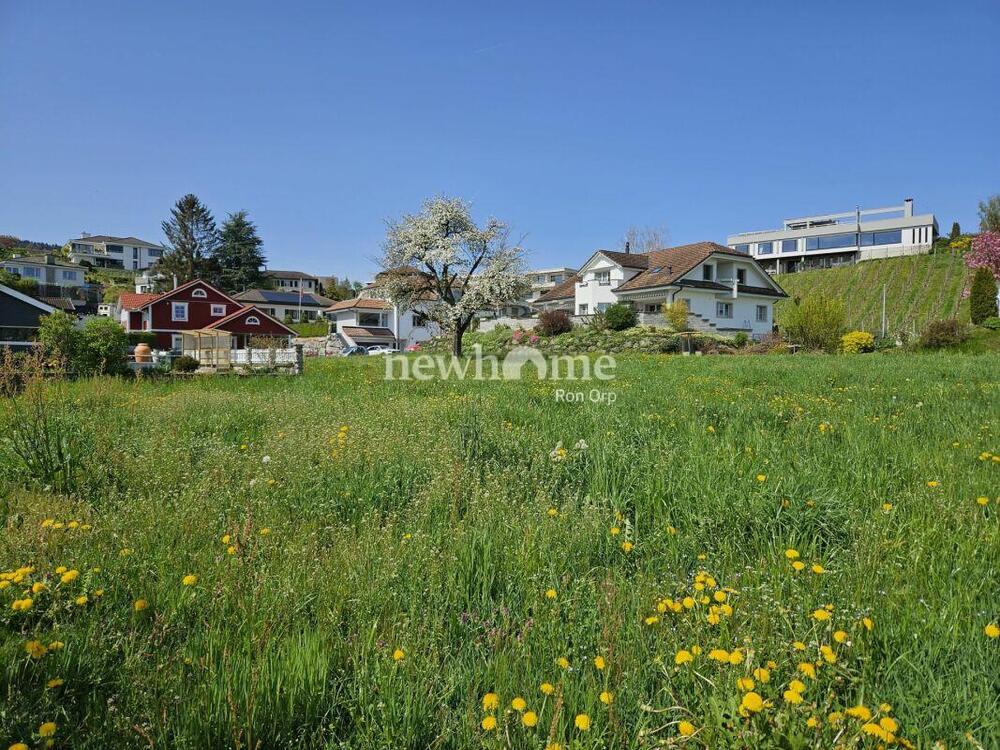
column 133, row 300
column 627, row 260
column 361, row 303
column 372, row 333
column 667, row 266
column 565, row 290
column 60, row 303
column 272, row 274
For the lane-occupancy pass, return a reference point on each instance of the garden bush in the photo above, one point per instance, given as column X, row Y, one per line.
column 943, row 333
column 816, row 322
column 740, row 339
column 553, row 322
column 185, row 363
column 676, row 314
column 103, row 345
column 982, row 296
column 141, row 337
column 620, row 316
column 992, row 323
column 856, row 342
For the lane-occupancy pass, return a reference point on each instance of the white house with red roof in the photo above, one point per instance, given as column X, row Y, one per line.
column 366, row 321
column 196, row 305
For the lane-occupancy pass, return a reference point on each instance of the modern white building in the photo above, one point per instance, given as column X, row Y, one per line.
column 366, row 321
column 725, row 291
column 104, row 251
column 292, row 281
column 830, row 240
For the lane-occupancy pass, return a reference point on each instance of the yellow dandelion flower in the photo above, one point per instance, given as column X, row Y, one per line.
column 808, row 669
column 982, row 500
column 582, row 722
column 189, row 580
column 828, row 655
column 859, row 712
column 491, row 701
column 868, row 623
column 599, row 662
column 226, row 538
column 61, row 569
column 36, row 649
column 719, row 654
column 992, row 630
column 547, row 688
column 518, row 704
column 762, row 477
column 69, row 576
column 81, row 601
column 835, row 717
column 140, row 604
column 18, row 746
column 736, row 657
column 265, row 531
column 820, row 615
column 888, row 724
column 751, row 703
column 688, row 602
column 56, row 646
column 615, row 531
column 840, row 636
column 550, row 594
column 552, row 512
column 398, row 655
column 812, row 722
column 745, row 684
column 489, row 723
column 607, row 697
column 627, row 546
column 792, row 554
column 563, row 662
column 886, row 507
column 933, row 483
column 798, row 566
column 719, row 596
column 792, row 697
column 762, row 674
column 47, row 729
column 685, row 729
column 529, row 719
column 683, row 657
column 799, row 646
column 38, row 587
column 818, row 569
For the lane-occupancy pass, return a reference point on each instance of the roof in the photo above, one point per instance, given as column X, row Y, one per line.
column 715, row 285
column 282, row 298
column 361, row 303
column 105, row 238
column 182, row 287
column 60, row 303
column 289, row 275
column 25, row 298
column 356, row 332
column 626, row 260
column 669, row 265
column 565, row 290
column 135, row 300
column 41, row 260
column 246, row 311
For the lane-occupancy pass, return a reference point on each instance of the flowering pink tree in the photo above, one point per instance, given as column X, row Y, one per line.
column 985, row 253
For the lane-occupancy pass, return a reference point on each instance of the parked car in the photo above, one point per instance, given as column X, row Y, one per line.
column 382, row 349
column 353, row 351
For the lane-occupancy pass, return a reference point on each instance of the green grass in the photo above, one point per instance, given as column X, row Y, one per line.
column 919, row 289
column 423, row 524
column 311, row 328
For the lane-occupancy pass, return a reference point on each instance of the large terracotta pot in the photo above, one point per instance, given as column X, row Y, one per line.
column 143, row 353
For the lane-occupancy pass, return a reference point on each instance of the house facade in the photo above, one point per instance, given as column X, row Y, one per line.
column 292, row 281
column 106, row 251
column 725, row 291
column 20, row 318
column 289, row 306
column 196, row 305
column 365, row 321
column 831, row 240
column 55, row 277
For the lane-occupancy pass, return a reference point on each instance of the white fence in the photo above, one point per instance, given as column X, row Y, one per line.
column 264, row 357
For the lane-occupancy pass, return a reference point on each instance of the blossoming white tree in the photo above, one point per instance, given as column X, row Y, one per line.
column 442, row 259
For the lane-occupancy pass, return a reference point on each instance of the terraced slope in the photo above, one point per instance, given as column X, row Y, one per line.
column 919, row 288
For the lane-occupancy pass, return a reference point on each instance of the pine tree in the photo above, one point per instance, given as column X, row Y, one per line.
column 982, row 296
column 956, row 231
column 193, row 239
column 239, row 254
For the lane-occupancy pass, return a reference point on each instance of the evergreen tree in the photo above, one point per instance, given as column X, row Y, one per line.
column 982, row 296
column 193, row 239
column 239, row 254
column 956, row 231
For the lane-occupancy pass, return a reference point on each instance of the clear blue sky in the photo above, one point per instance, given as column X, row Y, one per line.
column 570, row 120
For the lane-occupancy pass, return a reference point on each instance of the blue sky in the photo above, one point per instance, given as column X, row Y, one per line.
column 571, row 121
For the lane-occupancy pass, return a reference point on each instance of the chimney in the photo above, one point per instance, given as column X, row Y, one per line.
column 908, row 207
column 175, row 281
column 628, row 247
column 50, row 259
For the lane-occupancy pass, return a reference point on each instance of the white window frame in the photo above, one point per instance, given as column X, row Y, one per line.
column 218, row 311
column 200, row 293
column 177, row 342
column 720, row 310
column 252, row 320
column 173, row 312
column 584, row 307
column 762, row 318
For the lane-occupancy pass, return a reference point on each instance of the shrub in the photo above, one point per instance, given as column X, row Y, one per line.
column 943, row 333
column 816, row 322
column 982, row 296
column 60, row 338
column 620, row 316
column 553, row 322
column 141, row 337
column 103, row 347
column 185, row 363
column 740, row 339
column 992, row 323
column 856, row 342
column 676, row 314
column 598, row 322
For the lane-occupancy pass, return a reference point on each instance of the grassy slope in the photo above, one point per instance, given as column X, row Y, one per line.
column 919, row 289
column 424, row 525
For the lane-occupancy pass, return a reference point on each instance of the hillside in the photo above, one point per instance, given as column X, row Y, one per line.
column 919, row 288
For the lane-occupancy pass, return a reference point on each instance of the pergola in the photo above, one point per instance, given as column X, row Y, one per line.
column 211, row 347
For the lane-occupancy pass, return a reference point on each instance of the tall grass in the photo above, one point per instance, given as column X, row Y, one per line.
column 364, row 516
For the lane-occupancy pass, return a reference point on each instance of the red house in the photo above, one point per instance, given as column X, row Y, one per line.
column 193, row 306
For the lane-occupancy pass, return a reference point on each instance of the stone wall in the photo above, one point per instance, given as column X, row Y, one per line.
column 320, row 346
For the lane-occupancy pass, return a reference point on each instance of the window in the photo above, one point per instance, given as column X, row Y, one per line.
column 218, row 310
column 761, row 313
column 830, row 241
column 420, row 319
column 555, row 278
column 30, row 272
column 765, row 248
column 723, row 309
column 69, row 275
column 789, row 246
column 583, row 310
column 602, row 306
column 370, row 319
column 253, row 320
column 891, row 237
column 706, row 272
column 742, row 249
column 153, row 252
column 199, row 293
column 741, row 276
column 602, row 277
column 179, row 311
column 176, row 342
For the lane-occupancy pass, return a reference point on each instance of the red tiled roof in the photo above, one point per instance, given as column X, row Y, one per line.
column 134, row 300
column 360, row 303
column 668, row 265
column 372, row 333
column 246, row 310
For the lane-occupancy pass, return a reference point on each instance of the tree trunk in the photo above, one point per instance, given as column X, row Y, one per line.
column 456, row 345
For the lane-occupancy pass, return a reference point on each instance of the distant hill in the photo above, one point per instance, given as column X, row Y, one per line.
column 919, row 288
column 10, row 243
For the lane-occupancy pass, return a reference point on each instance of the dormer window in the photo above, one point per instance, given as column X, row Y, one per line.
column 707, row 272
column 602, row 277
column 741, row 276
column 199, row 293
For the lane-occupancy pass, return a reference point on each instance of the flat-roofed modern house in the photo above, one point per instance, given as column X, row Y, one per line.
column 104, row 251
column 290, row 306
column 830, row 240
column 292, row 281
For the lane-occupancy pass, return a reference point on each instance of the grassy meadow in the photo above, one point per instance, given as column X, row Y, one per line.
column 742, row 552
